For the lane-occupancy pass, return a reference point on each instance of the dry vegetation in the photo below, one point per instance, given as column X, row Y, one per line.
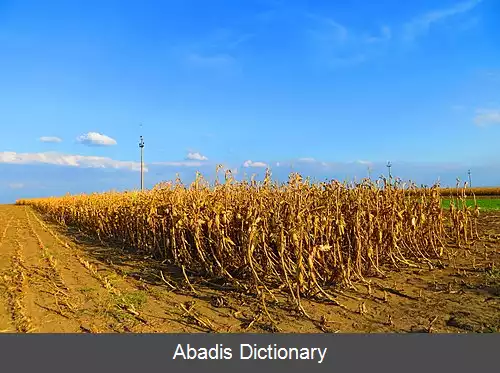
column 298, row 237
column 479, row 192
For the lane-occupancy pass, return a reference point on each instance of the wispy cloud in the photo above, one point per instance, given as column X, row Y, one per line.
column 301, row 162
column 16, row 185
column 487, row 116
column 95, row 139
column 179, row 164
column 421, row 25
column 50, row 139
column 340, row 45
column 327, row 30
column 385, row 34
column 55, row 158
column 493, row 75
column 217, row 49
column 239, row 40
column 224, row 39
column 337, row 45
column 250, row 163
column 196, row 157
column 365, row 163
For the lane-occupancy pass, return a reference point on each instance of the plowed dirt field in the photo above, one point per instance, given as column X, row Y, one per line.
column 57, row 280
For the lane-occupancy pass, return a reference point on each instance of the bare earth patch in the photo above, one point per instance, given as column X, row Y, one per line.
column 54, row 279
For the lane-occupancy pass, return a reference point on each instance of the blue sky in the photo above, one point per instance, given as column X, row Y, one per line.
column 318, row 87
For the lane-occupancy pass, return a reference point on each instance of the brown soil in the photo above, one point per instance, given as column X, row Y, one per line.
column 57, row 280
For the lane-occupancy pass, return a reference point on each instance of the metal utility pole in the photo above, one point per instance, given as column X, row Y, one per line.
column 470, row 182
column 369, row 172
column 141, row 146
column 389, row 165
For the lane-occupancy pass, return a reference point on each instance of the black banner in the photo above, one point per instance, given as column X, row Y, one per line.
column 227, row 353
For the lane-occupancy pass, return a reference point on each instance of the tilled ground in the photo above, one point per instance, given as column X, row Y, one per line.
column 55, row 280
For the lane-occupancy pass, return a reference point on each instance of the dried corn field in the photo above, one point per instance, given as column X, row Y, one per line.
column 300, row 236
column 302, row 247
column 471, row 192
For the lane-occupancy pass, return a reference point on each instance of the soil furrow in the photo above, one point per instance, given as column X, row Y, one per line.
column 16, row 284
column 137, row 307
column 91, row 303
column 46, row 302
column 7, row 251
column 115, row 300
column 57, row 279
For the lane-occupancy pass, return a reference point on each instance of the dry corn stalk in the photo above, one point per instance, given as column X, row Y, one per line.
column 299, row 236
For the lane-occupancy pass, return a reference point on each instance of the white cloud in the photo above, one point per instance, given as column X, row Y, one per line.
column 55, row 158
column 16, row 185
column 367, row 163
column 487, row 116
column 250, row 163
column 421, row 25
column 196, row 157
column 307, row 160
column 53, row 139
column 96, row 139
